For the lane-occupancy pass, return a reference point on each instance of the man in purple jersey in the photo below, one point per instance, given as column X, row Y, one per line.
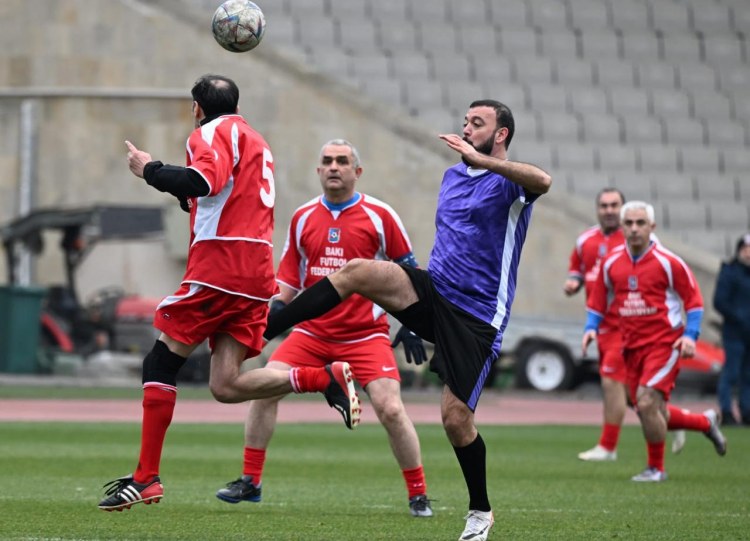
column 461, row 303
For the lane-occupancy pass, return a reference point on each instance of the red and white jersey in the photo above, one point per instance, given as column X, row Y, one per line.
column 321, row 239
column 591, row 249
column 231, row 228
column 649, row 294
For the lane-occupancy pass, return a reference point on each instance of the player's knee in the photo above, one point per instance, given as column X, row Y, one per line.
column 222, row 392
column 161, row 365
column 390, row 411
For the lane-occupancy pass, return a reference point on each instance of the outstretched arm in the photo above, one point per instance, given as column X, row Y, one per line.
column 530, row 177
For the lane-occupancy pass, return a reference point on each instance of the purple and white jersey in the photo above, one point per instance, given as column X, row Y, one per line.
column 481, row 224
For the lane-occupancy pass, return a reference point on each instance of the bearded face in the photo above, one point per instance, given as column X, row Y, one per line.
column 484, row 147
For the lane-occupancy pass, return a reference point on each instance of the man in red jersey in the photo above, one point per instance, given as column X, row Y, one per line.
column 592, row 247
column 228, row 188
column 650, row 288
column 324, row 234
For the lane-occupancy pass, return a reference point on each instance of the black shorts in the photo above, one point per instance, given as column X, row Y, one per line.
column 463, row 343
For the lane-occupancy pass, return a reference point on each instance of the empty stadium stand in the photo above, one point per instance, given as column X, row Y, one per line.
column 650, row 95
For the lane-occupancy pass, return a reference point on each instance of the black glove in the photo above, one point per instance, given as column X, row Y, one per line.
column 413, row 346
column 184, row 203
column 276, row 307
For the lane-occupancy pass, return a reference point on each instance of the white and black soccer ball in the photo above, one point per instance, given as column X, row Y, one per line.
column 238, row 25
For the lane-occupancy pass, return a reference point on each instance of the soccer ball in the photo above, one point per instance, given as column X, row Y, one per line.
column 238, row 25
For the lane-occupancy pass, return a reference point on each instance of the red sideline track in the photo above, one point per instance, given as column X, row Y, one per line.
column 494, row 408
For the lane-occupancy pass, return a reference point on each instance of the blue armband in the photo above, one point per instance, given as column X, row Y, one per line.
column 693, row 326
column 408, row 259
column 592, row 321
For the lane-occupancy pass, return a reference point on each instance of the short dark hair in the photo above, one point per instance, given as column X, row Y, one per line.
column 503, row 116
column 216, row 94
column 610, row 189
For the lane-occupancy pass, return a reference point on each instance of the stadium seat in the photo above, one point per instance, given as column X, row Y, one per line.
column 435, row 11
column 737, row 161
column 574, row 73
column 588, row 14
column 683, row 215
column 510, row 13
column 423, row 94
column 726, row 134
column 512, row 95
column 397, row 37
column 710, row 17
column 635, row 187
column 559, row 126
column 629, row 16
column 528, row 129
column 547, row 99
column 389, row 91
column 284, row 33
column 548, row 14
column 629, row 101
column 358, row 35
column 491, row 68
column 735, row 80
column 588, row 184
column 617, row 159
column 440, row 120
column 390, row 11
column 414, row 65
column 614, row 73
column 481, row 40
column 333, row 62
column 438, row 38
column 670, row 103
column 460, row 94
column 588, row 99
column 374, row 65
column 475, row 13
column 681, row 47
column 714, row 242
column 518, row 41
column 711, row 106
column 684, row 131
column 695, row 77
column 655, row 158
column 729, row 215
column 673, row 188
column 641, row 46
column 600, row 44
column 346, row 10
column 656, row 75
column 574, row 158
column 317, row 31
column 601, row 128
column 450, row 67
column 533, row 70
column 696, row 160
column 644, row 130
column 715, row 186
column 740, row 15
column 560, row 44
column 723, row 51
column 305, row 9
column 669, row 16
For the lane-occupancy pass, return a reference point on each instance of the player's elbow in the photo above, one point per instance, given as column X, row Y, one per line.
column 544, row 182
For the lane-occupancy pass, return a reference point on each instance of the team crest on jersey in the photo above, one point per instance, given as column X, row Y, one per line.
column 602, row 250
column 334, row 234
column 632, row 283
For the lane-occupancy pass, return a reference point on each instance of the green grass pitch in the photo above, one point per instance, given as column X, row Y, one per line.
column 325, row 483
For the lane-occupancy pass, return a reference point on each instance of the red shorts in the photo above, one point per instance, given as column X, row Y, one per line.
column 611, row 359
column 655, row 366
column 196, row 312
column 369, row 359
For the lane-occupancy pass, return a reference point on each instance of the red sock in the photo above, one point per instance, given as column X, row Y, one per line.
column 253, row 464
column 610, row 436
column 158, row 406
column 309, row 380
column 655, row 455
column 415, row 481
column 684, row 419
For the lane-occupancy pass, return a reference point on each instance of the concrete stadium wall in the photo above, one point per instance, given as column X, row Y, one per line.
column 103, row 72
